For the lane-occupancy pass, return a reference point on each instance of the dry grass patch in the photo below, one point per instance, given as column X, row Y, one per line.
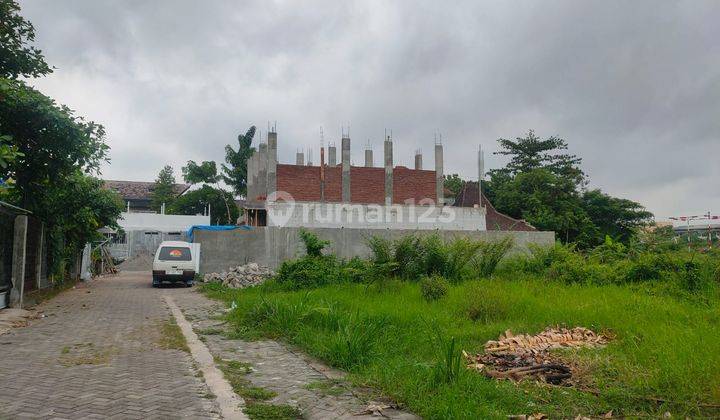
column 171, row 337
column 85, row 354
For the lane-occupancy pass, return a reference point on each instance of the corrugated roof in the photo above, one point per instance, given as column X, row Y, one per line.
column 139, row 190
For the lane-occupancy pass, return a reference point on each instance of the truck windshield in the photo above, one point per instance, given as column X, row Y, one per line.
column 174, row 253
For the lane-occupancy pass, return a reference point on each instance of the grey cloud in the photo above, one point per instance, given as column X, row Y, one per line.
column 632, row 86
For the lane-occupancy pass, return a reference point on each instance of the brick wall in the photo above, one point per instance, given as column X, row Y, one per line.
column 302, row 182
column 333, row 183
column 367, row 185
column 411, row 184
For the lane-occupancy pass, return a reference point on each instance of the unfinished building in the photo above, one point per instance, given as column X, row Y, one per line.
column 336, row 194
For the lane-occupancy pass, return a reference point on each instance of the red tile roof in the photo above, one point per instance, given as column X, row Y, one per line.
column 139, row 190
column 468, row 197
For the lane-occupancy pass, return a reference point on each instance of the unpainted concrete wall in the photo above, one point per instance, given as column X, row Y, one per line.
column 375, row 216
column 272, row 245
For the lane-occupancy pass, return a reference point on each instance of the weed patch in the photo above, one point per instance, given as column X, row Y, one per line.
column 433, row 288
column 211, row 331
column 261, row 411
column 171, row 337
column 85, row 354
column 235, row 373
column 334, row 388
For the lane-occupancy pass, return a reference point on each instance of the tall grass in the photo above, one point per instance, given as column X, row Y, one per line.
column 489, row 256
column 664, row 347
column 411, row 257
column 662, row 308
column 448, row 364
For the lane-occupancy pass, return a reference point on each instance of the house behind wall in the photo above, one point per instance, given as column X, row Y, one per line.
column 143, row 232
column 137, row 195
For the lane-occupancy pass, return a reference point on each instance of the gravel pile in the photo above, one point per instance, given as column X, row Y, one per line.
column 241, row 276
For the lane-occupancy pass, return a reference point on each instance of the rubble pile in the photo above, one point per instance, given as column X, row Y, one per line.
column 517, row 357
column 241, row 276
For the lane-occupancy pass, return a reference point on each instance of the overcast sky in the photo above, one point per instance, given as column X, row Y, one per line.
column 633, row 86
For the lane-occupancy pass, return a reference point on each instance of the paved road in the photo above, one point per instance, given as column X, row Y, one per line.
column 96, row 354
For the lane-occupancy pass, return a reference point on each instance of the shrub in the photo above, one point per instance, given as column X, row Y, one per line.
column 381, row 250
column 357, row 270
column 313, row 245
column 308, row 272
column 489, row 256
column 460, row 253
column 649, row 266
column 609, row 251
column 434, row 255
column 485, row 304
column 353, row 343
column 433, row 288
column 690, row 277
column 411, row 257
column 542, row 257
column 578, row 270
column 407, row 255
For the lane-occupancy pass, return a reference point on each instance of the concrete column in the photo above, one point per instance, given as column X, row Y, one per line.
column 346, row 169
column 332, row 156
column 18, row 261
column 322, row 174
column 251, row 181
column 481, row 173
column 388, row 172
column 418, row 161
column 300, row 158
column 272, row 163
column 439, row 178
column 368, row 158
column 262, row 170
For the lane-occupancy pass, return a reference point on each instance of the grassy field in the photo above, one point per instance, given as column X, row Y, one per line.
column 665, row 356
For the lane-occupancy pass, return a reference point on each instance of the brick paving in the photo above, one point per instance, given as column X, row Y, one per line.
column 276, row 367
column 96, row 354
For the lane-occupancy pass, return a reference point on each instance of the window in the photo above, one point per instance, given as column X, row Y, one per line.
column 174, row 253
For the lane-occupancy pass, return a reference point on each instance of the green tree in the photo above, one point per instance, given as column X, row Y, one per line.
column 531, row 152
column 81, row 207
column 454, row 183
column 195, row 202
column 53, row 142
column 47, row 151
column 206, row 174
column 164, row 189
column 618, row 218
column 546, row 201
column 8, row 154
column 235, row 172
column 545, row 186
column 17, row 57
